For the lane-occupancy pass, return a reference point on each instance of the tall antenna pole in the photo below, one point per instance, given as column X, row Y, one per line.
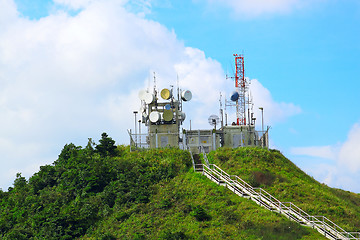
column 240, row 84
column 221, row 112
column 154, row 83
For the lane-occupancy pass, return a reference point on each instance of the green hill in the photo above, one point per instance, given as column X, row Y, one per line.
column 107, row 192
column 273, row 172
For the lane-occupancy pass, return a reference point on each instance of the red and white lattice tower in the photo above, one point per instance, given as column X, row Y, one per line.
column 241, row 87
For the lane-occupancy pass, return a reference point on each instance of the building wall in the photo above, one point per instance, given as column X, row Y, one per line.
column 240, row 136
column 206, row 138
column 164, row 135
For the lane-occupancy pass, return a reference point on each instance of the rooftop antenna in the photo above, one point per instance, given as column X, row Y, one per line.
column 155, row 92
column 148, row 88
column 154, row 81
column 178, row 91
column 178, row 86
column 214, row 120
column 241, row 86
column 221, row 111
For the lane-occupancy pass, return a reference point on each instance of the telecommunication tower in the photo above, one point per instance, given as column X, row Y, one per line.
column 241, row 87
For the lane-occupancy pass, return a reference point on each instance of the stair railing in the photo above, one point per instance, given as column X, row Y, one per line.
column 192, row 157
column 262, row 197
column 202, row 150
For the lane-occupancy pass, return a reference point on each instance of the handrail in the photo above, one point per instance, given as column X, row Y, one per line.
column 298, row 210
column 321, row 223
column 222, row 171
column 328, row 223
column 202, row 150
column 239, row 179
column 192, row 157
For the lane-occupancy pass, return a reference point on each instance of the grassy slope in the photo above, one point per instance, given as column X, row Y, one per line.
column 190, row 206
column 156, row 195
column 172, row 212
column 281, row 178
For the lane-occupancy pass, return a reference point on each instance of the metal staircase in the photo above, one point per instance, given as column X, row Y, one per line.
column 322, row 224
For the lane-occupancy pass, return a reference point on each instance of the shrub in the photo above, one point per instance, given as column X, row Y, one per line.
column 200, row 214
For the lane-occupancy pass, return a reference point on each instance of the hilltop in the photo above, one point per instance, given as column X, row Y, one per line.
column 103, row 191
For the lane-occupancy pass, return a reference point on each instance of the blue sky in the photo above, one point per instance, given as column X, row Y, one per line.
column 70, row 70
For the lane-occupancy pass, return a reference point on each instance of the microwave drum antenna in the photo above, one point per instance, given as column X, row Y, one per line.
column 214, row 120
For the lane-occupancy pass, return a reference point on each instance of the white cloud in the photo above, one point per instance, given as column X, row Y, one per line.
column 8, row 12
column 75, row 4
column 349, row 154
column 255, row 8
column 327, row 152
column 65, row 78
column 345, row 172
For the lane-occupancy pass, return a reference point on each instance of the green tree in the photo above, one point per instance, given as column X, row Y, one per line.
column 69, row 151
column 107, row 146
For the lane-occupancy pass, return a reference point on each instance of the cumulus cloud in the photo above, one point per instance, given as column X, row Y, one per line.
column 74, row 4
column 349, row 154
column 255, row 8
column 66, row 77
column 206, row 80
column 346, row 155
column 327, row 152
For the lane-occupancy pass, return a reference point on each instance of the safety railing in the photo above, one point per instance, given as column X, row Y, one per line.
column 322, row 224
column 329, row 227
column 192, row 157
column 202, row 150
column 142, row 141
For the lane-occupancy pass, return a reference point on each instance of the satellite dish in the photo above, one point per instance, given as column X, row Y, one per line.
column 167, row 106
column 149, row 98
column 168, row 115
column 154, row 117
column 166, row 94
column 234, row 96
column 214, row 120
column 181, row 116
column 186, row 95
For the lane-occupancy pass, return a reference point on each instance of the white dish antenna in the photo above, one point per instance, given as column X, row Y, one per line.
column 154, row 117
column 186, row 95
column 182, row 116
column 214, row 120
column 149, row 98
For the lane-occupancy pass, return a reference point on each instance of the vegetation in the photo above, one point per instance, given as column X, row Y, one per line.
column 288, row 183
column 107, row 192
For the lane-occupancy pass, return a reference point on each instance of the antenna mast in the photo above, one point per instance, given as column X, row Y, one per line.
column 241, row 85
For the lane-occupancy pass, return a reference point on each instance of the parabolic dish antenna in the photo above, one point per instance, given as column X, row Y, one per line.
column 154, row 117
column 166, row 94
column 186, row 95
column 167, row 106
column 168, row 115
column 234, row 96
column 149, row 98
column 214, row 120
column 182, row 116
